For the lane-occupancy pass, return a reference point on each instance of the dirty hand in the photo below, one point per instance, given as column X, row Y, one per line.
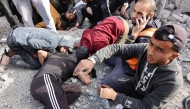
column 140, row 25
column 106, row 92
column 89, row 10
column 84, row 65
column 124, row 7
column 73, row 29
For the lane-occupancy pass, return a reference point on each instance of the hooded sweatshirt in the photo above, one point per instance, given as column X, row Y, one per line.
column 156, row 84
column 32, row 39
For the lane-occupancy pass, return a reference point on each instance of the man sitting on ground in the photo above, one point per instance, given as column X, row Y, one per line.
column 141, row 33
column 158, row 77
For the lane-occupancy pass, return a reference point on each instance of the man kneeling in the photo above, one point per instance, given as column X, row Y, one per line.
column 48, row 84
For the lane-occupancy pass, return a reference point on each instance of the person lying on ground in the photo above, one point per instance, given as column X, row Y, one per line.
column 48, row 85
column 158, row 77
column 111, row 30
column 26, row 41
column 74, row 17
column 60, row 24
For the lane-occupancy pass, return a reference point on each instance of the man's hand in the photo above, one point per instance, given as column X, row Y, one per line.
column 140, row 25
column 84, row 66
column 124, row 7
column 73, row 29
column 106, row 92
column 89, row 10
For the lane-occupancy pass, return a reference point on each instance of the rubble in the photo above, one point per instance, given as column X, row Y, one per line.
column 15, row 82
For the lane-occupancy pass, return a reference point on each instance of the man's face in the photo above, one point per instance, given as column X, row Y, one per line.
column 160, row 52
column 63, row 49
column 140, row 10
column 69, row 16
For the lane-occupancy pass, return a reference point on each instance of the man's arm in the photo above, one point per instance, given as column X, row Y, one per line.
column 41, row 56
column 163, row 93
column 126, row 51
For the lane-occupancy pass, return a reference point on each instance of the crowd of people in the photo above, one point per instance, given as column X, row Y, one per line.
column 146, row 73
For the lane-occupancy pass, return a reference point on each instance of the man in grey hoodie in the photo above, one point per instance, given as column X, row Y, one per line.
column 158, row 76
column 26, row 41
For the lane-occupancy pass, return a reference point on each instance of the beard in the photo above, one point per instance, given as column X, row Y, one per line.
column 133, row 21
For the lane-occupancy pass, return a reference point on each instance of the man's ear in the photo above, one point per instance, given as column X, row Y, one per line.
column 175, row 55
column 151, row 15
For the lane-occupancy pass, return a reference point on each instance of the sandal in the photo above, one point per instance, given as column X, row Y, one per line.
column 5, row 52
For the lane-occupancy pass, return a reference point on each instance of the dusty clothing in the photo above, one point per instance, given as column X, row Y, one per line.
column 125, row 69
column 78, row 15
column 48, row 84
column 56, row 17
column 150, row 81
column 33, row 39
column 103, row 34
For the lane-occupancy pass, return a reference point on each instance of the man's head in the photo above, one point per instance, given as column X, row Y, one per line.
column 165, row 44
column 143, row 8
column 66, row 43
column 68, row 16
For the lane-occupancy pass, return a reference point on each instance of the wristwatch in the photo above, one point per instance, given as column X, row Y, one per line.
column 125, row 4
column 92, row 59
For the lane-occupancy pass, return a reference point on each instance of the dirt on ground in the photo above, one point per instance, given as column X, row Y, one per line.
column 15, row 82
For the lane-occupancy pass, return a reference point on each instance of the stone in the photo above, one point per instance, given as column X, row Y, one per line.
column 165, row 14
column 183, row 5
column 188, row 77
column 188, row 22
column 77, row 104
column 170, row 6
column 176, row 16
column 119, row 106
column 73, row 80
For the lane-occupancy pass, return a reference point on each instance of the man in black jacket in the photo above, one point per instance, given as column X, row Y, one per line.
column 96, row 11
column 158, row 76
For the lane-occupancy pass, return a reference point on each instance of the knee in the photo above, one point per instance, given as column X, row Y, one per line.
column 33, row 88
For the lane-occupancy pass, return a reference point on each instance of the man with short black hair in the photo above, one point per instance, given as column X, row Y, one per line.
column 158, row 77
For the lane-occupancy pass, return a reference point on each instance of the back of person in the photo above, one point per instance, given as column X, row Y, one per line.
column 26, row 36
column 104, row 33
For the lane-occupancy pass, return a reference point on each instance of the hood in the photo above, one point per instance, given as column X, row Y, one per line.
column 67, row 41
column 172, row 66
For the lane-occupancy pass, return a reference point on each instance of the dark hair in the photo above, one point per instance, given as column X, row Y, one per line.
column 58, row 48
column 162, row 34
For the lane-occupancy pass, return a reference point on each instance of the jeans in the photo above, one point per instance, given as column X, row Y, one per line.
column 120, row 73
column 25, row 55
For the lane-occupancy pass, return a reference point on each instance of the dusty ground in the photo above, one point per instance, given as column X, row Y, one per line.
column 15, row 94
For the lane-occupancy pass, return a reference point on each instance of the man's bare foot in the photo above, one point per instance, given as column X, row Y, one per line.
column 5, row 60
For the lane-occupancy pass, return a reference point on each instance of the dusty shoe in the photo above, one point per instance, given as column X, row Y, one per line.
column 186, row 103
